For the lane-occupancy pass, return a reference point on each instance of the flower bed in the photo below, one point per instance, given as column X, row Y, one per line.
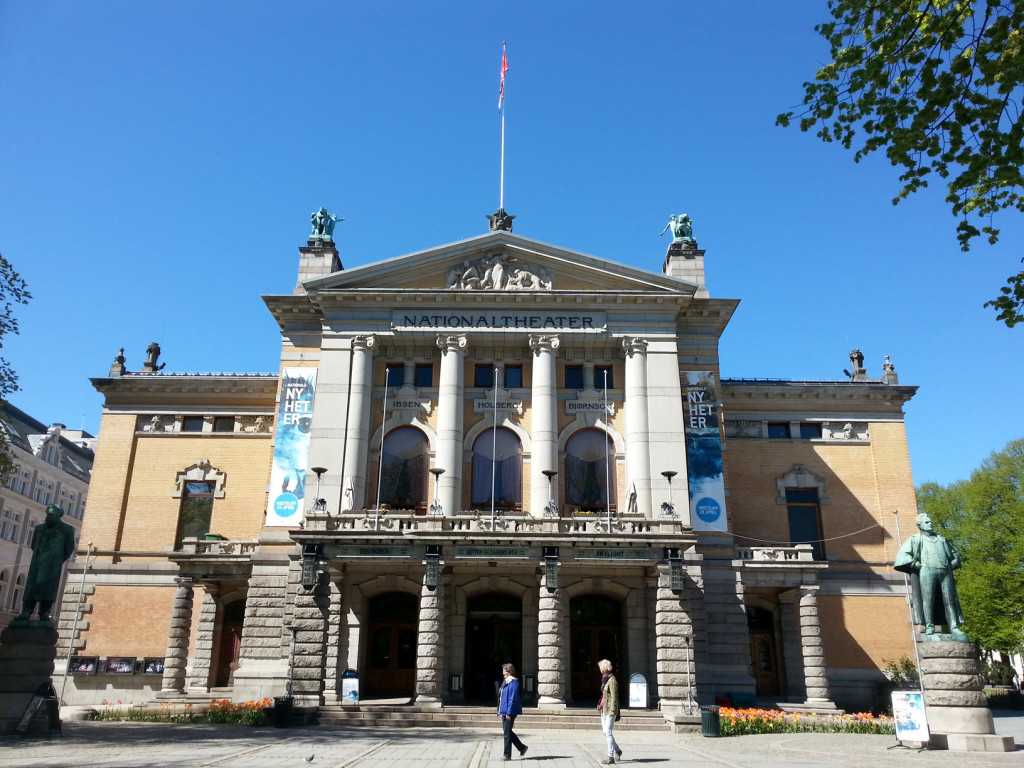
column 218, row 711
column 738, row 722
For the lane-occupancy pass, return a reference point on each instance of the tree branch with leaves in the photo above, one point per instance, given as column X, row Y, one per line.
column 938, row 86
column 13, row 291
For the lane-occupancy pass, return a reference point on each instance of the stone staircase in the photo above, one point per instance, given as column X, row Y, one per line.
column 485, row 718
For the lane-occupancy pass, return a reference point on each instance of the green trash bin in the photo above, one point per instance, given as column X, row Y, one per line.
column 709, row 722
column 281, row 715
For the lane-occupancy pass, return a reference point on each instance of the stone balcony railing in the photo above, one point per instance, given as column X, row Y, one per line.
column 801, row 553
column 480, row 521
column 214, row 547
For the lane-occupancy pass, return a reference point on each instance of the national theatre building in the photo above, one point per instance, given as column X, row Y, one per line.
column 493, row 451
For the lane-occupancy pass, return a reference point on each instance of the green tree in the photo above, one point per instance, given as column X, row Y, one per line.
column 13, row 290
column 984, row 518
column 937, row 84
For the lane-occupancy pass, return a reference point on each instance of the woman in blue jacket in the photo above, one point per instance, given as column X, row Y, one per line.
column 509, row 707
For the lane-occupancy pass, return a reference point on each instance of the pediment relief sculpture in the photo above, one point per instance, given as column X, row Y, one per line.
column 498, row 272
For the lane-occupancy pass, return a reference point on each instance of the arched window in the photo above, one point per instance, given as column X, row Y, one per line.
column 404, row 469
column 498, row 459
column 589, row 470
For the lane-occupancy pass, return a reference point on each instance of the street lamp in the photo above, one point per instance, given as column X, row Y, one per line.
column 669, row 509
column 551, row 510
column 320, row 505
column 435, row 508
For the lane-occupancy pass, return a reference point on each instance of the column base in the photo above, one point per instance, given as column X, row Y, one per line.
column 550, row 702
column 428, row 702
column 971, row 742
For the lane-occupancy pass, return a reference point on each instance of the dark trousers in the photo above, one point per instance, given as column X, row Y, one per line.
column 510, row 736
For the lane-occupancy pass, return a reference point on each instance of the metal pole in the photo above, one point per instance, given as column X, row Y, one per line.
column 910, row 609
column 380, row 460
column 74, row 625
column 607, row 470
column 494, row 437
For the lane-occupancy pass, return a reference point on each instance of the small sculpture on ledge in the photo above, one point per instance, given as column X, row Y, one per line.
column 500, row 221
column 682, row 228
column 323, row 225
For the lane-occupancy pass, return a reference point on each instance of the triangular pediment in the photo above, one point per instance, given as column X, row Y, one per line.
column 498, row 261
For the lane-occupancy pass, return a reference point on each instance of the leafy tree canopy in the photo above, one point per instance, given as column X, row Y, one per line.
column 938, row 85
column 984, row 518
column 13, row 290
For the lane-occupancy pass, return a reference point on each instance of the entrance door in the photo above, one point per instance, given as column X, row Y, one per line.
column 391, row 646
column 595, row 634
column 230, row 641
column 494, row 631
column 764, row 655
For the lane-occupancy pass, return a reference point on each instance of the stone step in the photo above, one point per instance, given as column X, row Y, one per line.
column 485, row 717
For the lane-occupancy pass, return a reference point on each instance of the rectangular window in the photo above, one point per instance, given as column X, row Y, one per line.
column 192, row 424
column 574, row 377
column 196, row 510
column 395, row 375
column 805, row 519
column 424, row 375
column 483, row 376
column 778, row 430
column 810, row 431
column 224, row 424
column 599, row 377
column 513, row 376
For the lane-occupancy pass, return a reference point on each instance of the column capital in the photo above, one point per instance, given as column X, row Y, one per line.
column 364, row 342
column 540, row 342
column 634, row 345
column 452, row 343
column 184, row 582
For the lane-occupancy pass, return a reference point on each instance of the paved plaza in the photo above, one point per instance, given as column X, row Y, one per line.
column 158, row 745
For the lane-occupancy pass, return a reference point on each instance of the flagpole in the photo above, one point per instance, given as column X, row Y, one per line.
column 380, row 463
column 501, row 108
column 494, row 445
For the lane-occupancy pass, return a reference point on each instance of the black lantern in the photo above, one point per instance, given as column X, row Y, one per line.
column 433, row 563
column 551, row 568
column 311, row 554
column 675, row 569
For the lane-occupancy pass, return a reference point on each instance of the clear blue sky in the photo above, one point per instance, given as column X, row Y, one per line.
column 159, row 163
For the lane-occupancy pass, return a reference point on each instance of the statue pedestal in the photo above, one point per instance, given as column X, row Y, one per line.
column 958, row 714
column 27, row 653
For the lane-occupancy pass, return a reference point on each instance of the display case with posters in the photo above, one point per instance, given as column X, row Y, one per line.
column 120, row 665
column 83, row 665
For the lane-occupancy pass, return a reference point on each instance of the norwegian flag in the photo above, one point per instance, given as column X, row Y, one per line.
column 504, row 69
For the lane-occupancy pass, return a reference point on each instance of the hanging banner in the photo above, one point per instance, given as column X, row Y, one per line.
column 291, row 447
column 703, row 452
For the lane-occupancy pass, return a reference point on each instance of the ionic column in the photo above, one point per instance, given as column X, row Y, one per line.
column 202, row 664
column 430, row 647
column 552, row 659
column 449, row 421
column 815, row 673
column 544, row 420
column 176, row 657
column 358, row 435
column 638, row 455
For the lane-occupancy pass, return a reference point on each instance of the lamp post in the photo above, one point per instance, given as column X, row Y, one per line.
column 435, row 508
column 320, row 505
column 669, row 509
column 551, row 510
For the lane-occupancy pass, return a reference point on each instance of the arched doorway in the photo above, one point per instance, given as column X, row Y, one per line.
column 232, row 619
column 391, row 645
column 764, row 651
column 404, row 470
column 494, row 636
column 595, row 633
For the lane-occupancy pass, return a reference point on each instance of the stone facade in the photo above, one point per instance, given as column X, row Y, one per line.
column 500, row 429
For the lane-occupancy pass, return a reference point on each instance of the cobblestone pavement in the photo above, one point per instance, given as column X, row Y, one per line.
column 158, row 745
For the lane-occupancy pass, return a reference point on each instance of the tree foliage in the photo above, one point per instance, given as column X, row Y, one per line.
column 13, row 290
column 984, row 518
column 938, row 85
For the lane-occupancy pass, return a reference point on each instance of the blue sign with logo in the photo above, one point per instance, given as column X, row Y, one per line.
column 286, row 505
column 708, row 510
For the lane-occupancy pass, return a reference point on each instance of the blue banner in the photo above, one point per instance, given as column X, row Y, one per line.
column 291, row 448
column 703, row 452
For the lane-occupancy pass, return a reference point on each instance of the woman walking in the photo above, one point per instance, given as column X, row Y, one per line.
column 609, row 707
column 509, row 707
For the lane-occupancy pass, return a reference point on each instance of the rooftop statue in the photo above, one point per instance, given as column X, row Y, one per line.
column 52, row 543
column 323, row 225
column 930, row 560
column 682, row 228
